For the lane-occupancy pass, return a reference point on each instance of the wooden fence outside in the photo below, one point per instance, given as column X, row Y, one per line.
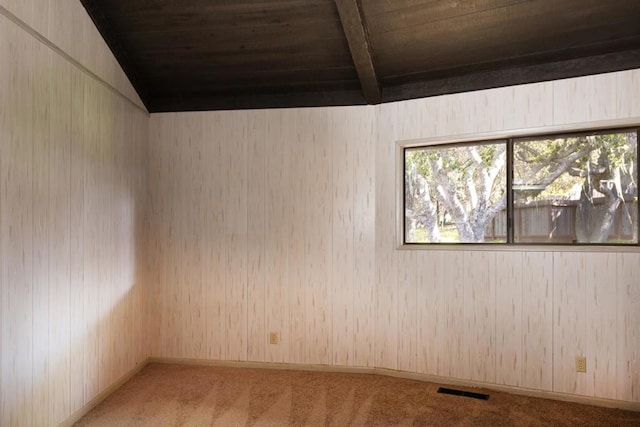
column 555, row 220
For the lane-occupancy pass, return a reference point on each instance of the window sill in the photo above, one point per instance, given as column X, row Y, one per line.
column 500, row 247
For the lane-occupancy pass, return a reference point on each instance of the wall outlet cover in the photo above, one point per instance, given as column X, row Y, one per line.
column 274, row 338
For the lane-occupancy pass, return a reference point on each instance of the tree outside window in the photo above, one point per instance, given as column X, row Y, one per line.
column 564, row 189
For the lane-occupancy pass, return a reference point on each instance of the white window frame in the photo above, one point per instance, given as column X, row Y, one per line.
column 487, row 137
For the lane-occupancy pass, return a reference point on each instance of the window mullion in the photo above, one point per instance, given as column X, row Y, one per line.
column 510, row 210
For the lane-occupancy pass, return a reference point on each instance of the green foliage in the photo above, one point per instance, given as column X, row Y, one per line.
column 464, row 181
column 544, row 169
column 561, row 165
column 455, row 161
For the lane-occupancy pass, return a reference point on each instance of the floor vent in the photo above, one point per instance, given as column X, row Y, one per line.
column 463, row 393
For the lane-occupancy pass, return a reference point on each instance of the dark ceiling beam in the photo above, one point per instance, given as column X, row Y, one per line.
column 213, row 102
column 489, row 79
column 358, row 39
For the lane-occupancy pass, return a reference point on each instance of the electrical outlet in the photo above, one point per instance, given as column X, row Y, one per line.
column 581, row 364
column 274, row 338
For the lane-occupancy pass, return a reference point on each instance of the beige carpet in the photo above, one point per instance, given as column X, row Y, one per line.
column 175, row 395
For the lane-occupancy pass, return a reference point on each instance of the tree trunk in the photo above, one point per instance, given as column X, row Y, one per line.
column 420, row 209
column 594, row 222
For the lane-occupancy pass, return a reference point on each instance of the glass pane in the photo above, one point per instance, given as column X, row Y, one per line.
column 576, row 189
column 456, row 194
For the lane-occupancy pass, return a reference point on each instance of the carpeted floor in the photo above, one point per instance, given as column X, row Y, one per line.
column 176, row 395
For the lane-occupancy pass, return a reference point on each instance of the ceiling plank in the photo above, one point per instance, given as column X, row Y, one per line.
column 515, row 30
column 358, row 39
column 197, row 54
column 510, row 76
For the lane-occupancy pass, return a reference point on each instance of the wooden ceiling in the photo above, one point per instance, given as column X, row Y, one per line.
column 185, row 55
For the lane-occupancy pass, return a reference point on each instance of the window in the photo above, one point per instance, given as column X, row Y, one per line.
column 453, row 193
column 579, row 188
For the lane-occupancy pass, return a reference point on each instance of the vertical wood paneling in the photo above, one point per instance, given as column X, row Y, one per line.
column 141, row 172
column 585, row 99
column 433, row 343
column 22, row 9
column 180, row 276
column 626, row 104
column 115, row 221
column 537, row 317
column 451, row 273
column 218, row 137
column 278, row 216
column 530, row 107
column 17, row 228
column 509, row 334
column 34, row 13
column 628, row 328
column 213, row 254
column 91, row 240
column 117, row 280
column 156, row 236
column 66, row 300
column 448, row 115
column 156, row 239
column 570, row 321
column 320, row 262
column 601, row 272
column 40, row 74
column 197, row 318
column 341, row 137
column 176, row 270
column 131, row 235
column 474, row 113
column 386, row 256
column 77, row 316
column 408, row 315
column 364, row 242
column 63, row 35
column 480, row 316
column 416, row 118
column 161, row 226
column 489, row 110
column 256, row 231
column 152, row 244
column 105, row 240
column 297, row 237
column 235, row 149
column 59, row 182
column 170, row 265
column 67, row 25
column 186, row 263
column 318, row 252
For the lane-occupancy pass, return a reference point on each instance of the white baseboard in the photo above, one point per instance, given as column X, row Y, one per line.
column 543, row 394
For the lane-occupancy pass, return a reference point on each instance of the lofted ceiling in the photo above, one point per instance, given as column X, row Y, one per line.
column 185, row 55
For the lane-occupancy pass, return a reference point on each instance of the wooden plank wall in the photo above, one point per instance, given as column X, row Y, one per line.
column 66, row 24
column 253, row 229
column 72, row 198
column 284, row 220
column 515, row 318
